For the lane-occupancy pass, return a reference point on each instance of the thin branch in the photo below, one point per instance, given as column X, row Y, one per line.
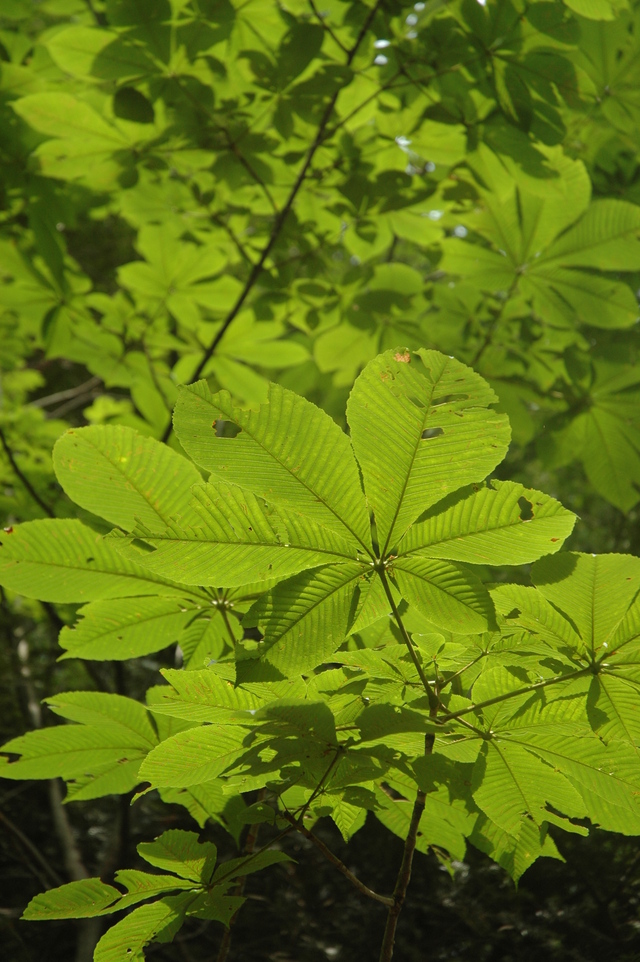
column 42, row 402
column 325, row 26
column 403, row 879
column 514, row 694
column 25, row 481
column 74, row 403
column 494, row 323
column 314, row 794
column 328, row 854
column 280, row 218
column 431, row 695
column 235, row 150
column 31, row 848
column 247, row 849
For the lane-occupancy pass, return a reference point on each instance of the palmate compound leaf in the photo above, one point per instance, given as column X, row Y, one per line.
column 123, row 476
column 288, row 452
column 308, row 521
column 585, row 726
column 192, row 865
column 421, row 427
column 593, row 591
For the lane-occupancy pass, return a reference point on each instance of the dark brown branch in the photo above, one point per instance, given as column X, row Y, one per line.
column 23, row 478
column 403, row 879
column 281, row 217
column 328, row 854
column 248, row 848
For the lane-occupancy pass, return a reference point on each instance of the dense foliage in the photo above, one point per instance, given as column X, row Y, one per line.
column 264, row 216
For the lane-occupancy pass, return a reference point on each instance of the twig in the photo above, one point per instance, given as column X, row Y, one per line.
column 83, row 388
column 325, row 26
column 314, row 794
column 328, row 854
column 403, row 879
column 449, row 716
column 280, row 218
column 28, row 844
column 73, row 403
column 25, row 481
column 249, row 846
column 235, row 150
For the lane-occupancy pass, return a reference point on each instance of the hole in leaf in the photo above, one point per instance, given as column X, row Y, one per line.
column 225, row 429
column 514, row 613
column 450, row 398
column 142, row 545
column 429, row 433
column 526, row 509
column 392, row 793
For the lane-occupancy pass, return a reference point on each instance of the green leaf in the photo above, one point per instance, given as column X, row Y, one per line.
column 304, row 620
column 287, row 452
column 65, row 561
column 203, row 696
column 182, row 853
column 509, row 783
column 123, row 477
column 85, row 51
column 193, row 756
column 421, row 430
column 108, row 757
column 502, row 523
column 239, row 867
column 76, row 900
column 605, row 237
column 593, row 9
column 101, row 708
column 234, row 540
column 159, row 920
column 448, row 596
column 594, row 591
column 136, row 627
column 61, row 115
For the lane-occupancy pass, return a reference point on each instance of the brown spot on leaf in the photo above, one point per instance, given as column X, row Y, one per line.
column 9, row 530
column 404, row 357
column 555, row 539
